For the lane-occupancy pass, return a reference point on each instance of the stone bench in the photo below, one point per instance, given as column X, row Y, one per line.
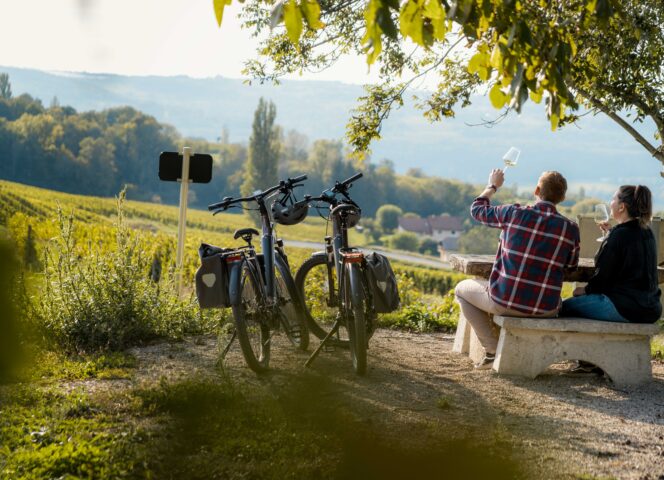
column 527, row 346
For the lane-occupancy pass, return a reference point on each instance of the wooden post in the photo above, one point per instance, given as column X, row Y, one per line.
column 182, row 221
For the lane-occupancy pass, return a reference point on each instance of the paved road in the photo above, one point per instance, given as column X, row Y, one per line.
column 402, row 256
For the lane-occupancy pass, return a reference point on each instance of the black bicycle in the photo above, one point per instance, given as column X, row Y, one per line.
column 333, row 284
column 261, row 289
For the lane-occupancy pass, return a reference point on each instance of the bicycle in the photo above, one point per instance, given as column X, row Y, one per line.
column 333, row 284
column 261, row 290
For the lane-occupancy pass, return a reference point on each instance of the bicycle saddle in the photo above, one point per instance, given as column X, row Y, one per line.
column 242, row 232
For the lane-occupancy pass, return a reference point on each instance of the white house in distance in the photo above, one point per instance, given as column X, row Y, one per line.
column 445, row 229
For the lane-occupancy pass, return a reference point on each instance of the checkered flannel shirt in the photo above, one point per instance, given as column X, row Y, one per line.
column 536, row 245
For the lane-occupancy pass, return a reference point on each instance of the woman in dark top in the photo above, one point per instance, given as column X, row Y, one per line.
column 624, row 285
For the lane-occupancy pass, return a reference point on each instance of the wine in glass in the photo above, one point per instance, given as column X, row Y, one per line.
column 601, row 216
column 511, row 158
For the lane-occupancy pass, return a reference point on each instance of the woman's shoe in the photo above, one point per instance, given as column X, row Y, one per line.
column 582, row 367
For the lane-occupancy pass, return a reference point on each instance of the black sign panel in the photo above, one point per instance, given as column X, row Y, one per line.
column 170, row 167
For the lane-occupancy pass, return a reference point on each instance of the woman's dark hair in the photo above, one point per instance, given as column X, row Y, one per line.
column 638, row 202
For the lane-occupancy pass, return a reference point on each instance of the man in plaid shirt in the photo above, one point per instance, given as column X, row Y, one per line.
column 536, row 245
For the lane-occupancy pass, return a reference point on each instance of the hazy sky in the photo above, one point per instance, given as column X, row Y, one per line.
column 181, row 37
column 135, row 37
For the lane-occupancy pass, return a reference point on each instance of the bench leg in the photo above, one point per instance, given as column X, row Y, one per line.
column 624, row 358
column 462, row 336
column 519, row 353
column 629, row 363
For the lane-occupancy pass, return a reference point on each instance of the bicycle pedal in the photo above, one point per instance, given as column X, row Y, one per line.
column 329, row 348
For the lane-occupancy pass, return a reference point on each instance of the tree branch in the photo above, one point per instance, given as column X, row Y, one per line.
column 656, row 152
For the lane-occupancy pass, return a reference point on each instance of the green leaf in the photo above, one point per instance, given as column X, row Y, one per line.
column 497, row 97
column 536, row 96
column 386, row 24
column 311, row 11
column 408, row 13
column 477, row 61
column 219, row 9
column 372, row 38
column 555, row 120
column 293, row 21
column 496, row 60
column 436, row 13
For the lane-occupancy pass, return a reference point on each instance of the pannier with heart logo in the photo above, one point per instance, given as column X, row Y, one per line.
column 212, row 277
column 382, row 282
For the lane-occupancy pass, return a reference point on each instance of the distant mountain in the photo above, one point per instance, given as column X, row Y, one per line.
column 597, row 155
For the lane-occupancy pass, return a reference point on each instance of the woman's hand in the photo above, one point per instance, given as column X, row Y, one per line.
column 604, row 227
column 578, row 291
column 496, row 177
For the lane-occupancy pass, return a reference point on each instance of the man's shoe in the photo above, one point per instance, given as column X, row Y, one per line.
column 486, row 363
column 582, row 367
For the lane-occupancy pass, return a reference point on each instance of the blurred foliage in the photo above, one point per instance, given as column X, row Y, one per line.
column 479, row 239
column 428, row 246
column 408, row 241
column 387, row 217
column 9, row 339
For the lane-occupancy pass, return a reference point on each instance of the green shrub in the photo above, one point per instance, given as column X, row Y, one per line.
column 403, row 241
column 420, row 316
column 428, row 246
column 105, row 300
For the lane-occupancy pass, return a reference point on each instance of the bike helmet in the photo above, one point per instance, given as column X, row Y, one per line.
column 350, row 214
column 289, row 213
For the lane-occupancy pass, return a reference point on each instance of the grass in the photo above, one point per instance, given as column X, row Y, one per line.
column 200, row 428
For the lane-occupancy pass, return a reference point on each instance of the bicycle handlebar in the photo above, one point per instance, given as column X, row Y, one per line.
column 352, row 178
column 339, row 187
column 284, row 186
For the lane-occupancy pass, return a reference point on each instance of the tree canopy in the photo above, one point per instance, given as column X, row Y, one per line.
column 605, row 55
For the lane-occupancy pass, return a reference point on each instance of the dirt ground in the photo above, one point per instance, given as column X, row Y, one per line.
column 560, row 425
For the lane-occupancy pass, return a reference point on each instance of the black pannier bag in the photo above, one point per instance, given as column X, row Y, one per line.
column 382, row 282
column 212, row 277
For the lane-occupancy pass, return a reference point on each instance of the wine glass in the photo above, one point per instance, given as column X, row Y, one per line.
column 601, row 215
column 511, row 158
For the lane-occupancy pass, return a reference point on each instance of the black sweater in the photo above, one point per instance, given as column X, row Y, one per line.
column 626, row 272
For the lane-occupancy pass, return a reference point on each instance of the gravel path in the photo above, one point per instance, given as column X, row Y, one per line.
column 561, row 426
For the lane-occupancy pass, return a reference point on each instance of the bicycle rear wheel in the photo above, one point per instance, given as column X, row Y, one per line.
column 290, row 306
column 313, row 287
column 250, row 321
column 356, row 320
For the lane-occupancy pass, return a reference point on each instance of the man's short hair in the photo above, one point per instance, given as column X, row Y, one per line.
column 553, row 187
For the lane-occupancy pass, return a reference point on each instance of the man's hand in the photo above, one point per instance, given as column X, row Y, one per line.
column 497, row 177
column 578, row 291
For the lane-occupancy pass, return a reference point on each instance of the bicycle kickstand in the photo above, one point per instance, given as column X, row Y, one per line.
column 335, row 329
column 228, row 347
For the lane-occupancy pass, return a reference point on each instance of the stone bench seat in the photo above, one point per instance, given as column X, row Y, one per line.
column 527, row 346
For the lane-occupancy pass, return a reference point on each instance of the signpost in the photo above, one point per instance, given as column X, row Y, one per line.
column 174, row 167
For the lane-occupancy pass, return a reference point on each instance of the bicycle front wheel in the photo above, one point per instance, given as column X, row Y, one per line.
column 355, row 295
column 250, row 321
column 313, row 287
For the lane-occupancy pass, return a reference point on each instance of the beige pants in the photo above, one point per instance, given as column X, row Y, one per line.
column 478, row 309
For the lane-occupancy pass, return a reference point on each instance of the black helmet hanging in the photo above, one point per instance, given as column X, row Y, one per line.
column 286, row 211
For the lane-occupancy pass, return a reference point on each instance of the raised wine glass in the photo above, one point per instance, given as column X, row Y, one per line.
column 511, row 158
column 601, row 215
